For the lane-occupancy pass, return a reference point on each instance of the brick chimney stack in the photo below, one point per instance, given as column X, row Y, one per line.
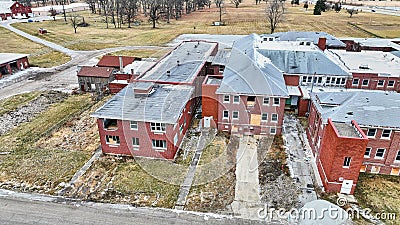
column 322, row 43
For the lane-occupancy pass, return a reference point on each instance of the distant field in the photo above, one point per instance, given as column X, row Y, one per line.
column 248, row 18
column 40, row 56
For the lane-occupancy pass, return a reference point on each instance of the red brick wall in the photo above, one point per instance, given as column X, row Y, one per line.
column 116, row 87
column 334, row 149
column 291, row 80
column 302, row 106
column 210, row 100
column 373, row 82
column 145, row 136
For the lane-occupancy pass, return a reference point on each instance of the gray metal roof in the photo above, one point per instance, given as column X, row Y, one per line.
column 367, row 108
column 191, row 56
column 249, row 73
column 9, row 57
column 292, row 58
column 307, row 35
column 164, row 105
column 222, row 56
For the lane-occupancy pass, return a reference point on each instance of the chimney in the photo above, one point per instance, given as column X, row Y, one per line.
column 121, row 64
column 322, row 43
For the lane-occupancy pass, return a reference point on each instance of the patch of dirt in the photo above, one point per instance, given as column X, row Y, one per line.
column 27, row 112
column 277, row 189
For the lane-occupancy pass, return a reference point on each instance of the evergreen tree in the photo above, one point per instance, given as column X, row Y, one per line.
column 320, row 6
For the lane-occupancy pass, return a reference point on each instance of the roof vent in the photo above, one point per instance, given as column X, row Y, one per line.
column 349, row 113
column 168, row 73
column 177, row 62
column 363, row 66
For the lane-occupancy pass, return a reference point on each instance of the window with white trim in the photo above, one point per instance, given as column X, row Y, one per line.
column 276, row 101
column 235, row 115
column 397, row 156
column 264, row 116
column 355, row 81
column 157, row 127
column 266, row 101
column 371, row 132
column 304, row 79
column 272, row 130
column 221, row 69
column 386, row 134
column 367, row 153
column 226, row 98
column 181, row 129
column 380, row 152
column 390, row 83
column 225, row 114
column 274, row 117
column 135, row 142
column 347, row 161
column 380, row 83
column 236, row 99
column 365, row 82
column 160, row 144
column 375, row 169
column 112, row 140
column 134, row 125
column 328, row 80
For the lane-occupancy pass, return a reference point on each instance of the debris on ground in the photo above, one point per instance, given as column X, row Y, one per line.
column 28, row 111
column 277, row 189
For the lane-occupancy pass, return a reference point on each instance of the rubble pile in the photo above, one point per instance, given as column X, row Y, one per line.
column 79, row 134
column 27, row 112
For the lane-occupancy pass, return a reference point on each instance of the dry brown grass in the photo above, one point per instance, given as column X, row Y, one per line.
column 40, row 56
column 248, row 18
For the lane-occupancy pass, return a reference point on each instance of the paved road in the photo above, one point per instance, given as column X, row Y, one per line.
column 21, row 211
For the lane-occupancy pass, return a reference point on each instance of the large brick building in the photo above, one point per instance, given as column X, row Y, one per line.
column 352, row 132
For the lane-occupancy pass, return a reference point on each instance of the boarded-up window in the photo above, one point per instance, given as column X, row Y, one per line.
column 395, row 171
column 255, row 119
column 363, row 168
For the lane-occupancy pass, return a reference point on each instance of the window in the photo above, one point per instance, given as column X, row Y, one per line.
column 397, row 156
column 266, row 101
column 346, row 163
column 380, row 152
column 251, row 101
column 338, row 80
column 181, row 129
column 264, row 116
column 304, row 79
column 355, row 82
column 367, row 152
column 276, row 101
column 386, row 134
column 365, row 82
column 395, row 171
column 221, row 69
column 371, row 132
column 333, row 80
column 134, row 125
column 363, row 168
column 236, row 99
column 391, row 83
column 225, row 114
column 272, row 130
column 159, row 144
column 375, row 169
column 135, row 141
column 381, row 83
column 226, row 98
column 309, row 79
column 319, row 80
column 112, row 140
column 328, row 80
column 343, row 81
column 274, row 117
column 158, row 127
column 110, row 124
column 235, row 115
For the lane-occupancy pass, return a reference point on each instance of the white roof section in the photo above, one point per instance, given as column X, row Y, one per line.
column 382, row 63
column 307, row 35
column 163, row 104
column 293, row 90
column 139, row 67
column 250, row 73
column 9, row 57
column 292, row 57
column 5, row 6
column 367, row 108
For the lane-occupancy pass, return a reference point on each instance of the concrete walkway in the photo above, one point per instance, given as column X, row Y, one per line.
column 247, row 191
column 298, row 159
column 187, row 182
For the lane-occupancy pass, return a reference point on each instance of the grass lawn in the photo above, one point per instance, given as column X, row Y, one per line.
column 40, row 55
column 41, row 167
column 380, row 193
column 248, row 18
column 10, row 104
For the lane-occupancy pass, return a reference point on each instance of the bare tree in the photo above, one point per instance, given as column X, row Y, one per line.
column 220, row 5
column 275, row 10
column 236, row 2
column 75, row 21
column 154, row 11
